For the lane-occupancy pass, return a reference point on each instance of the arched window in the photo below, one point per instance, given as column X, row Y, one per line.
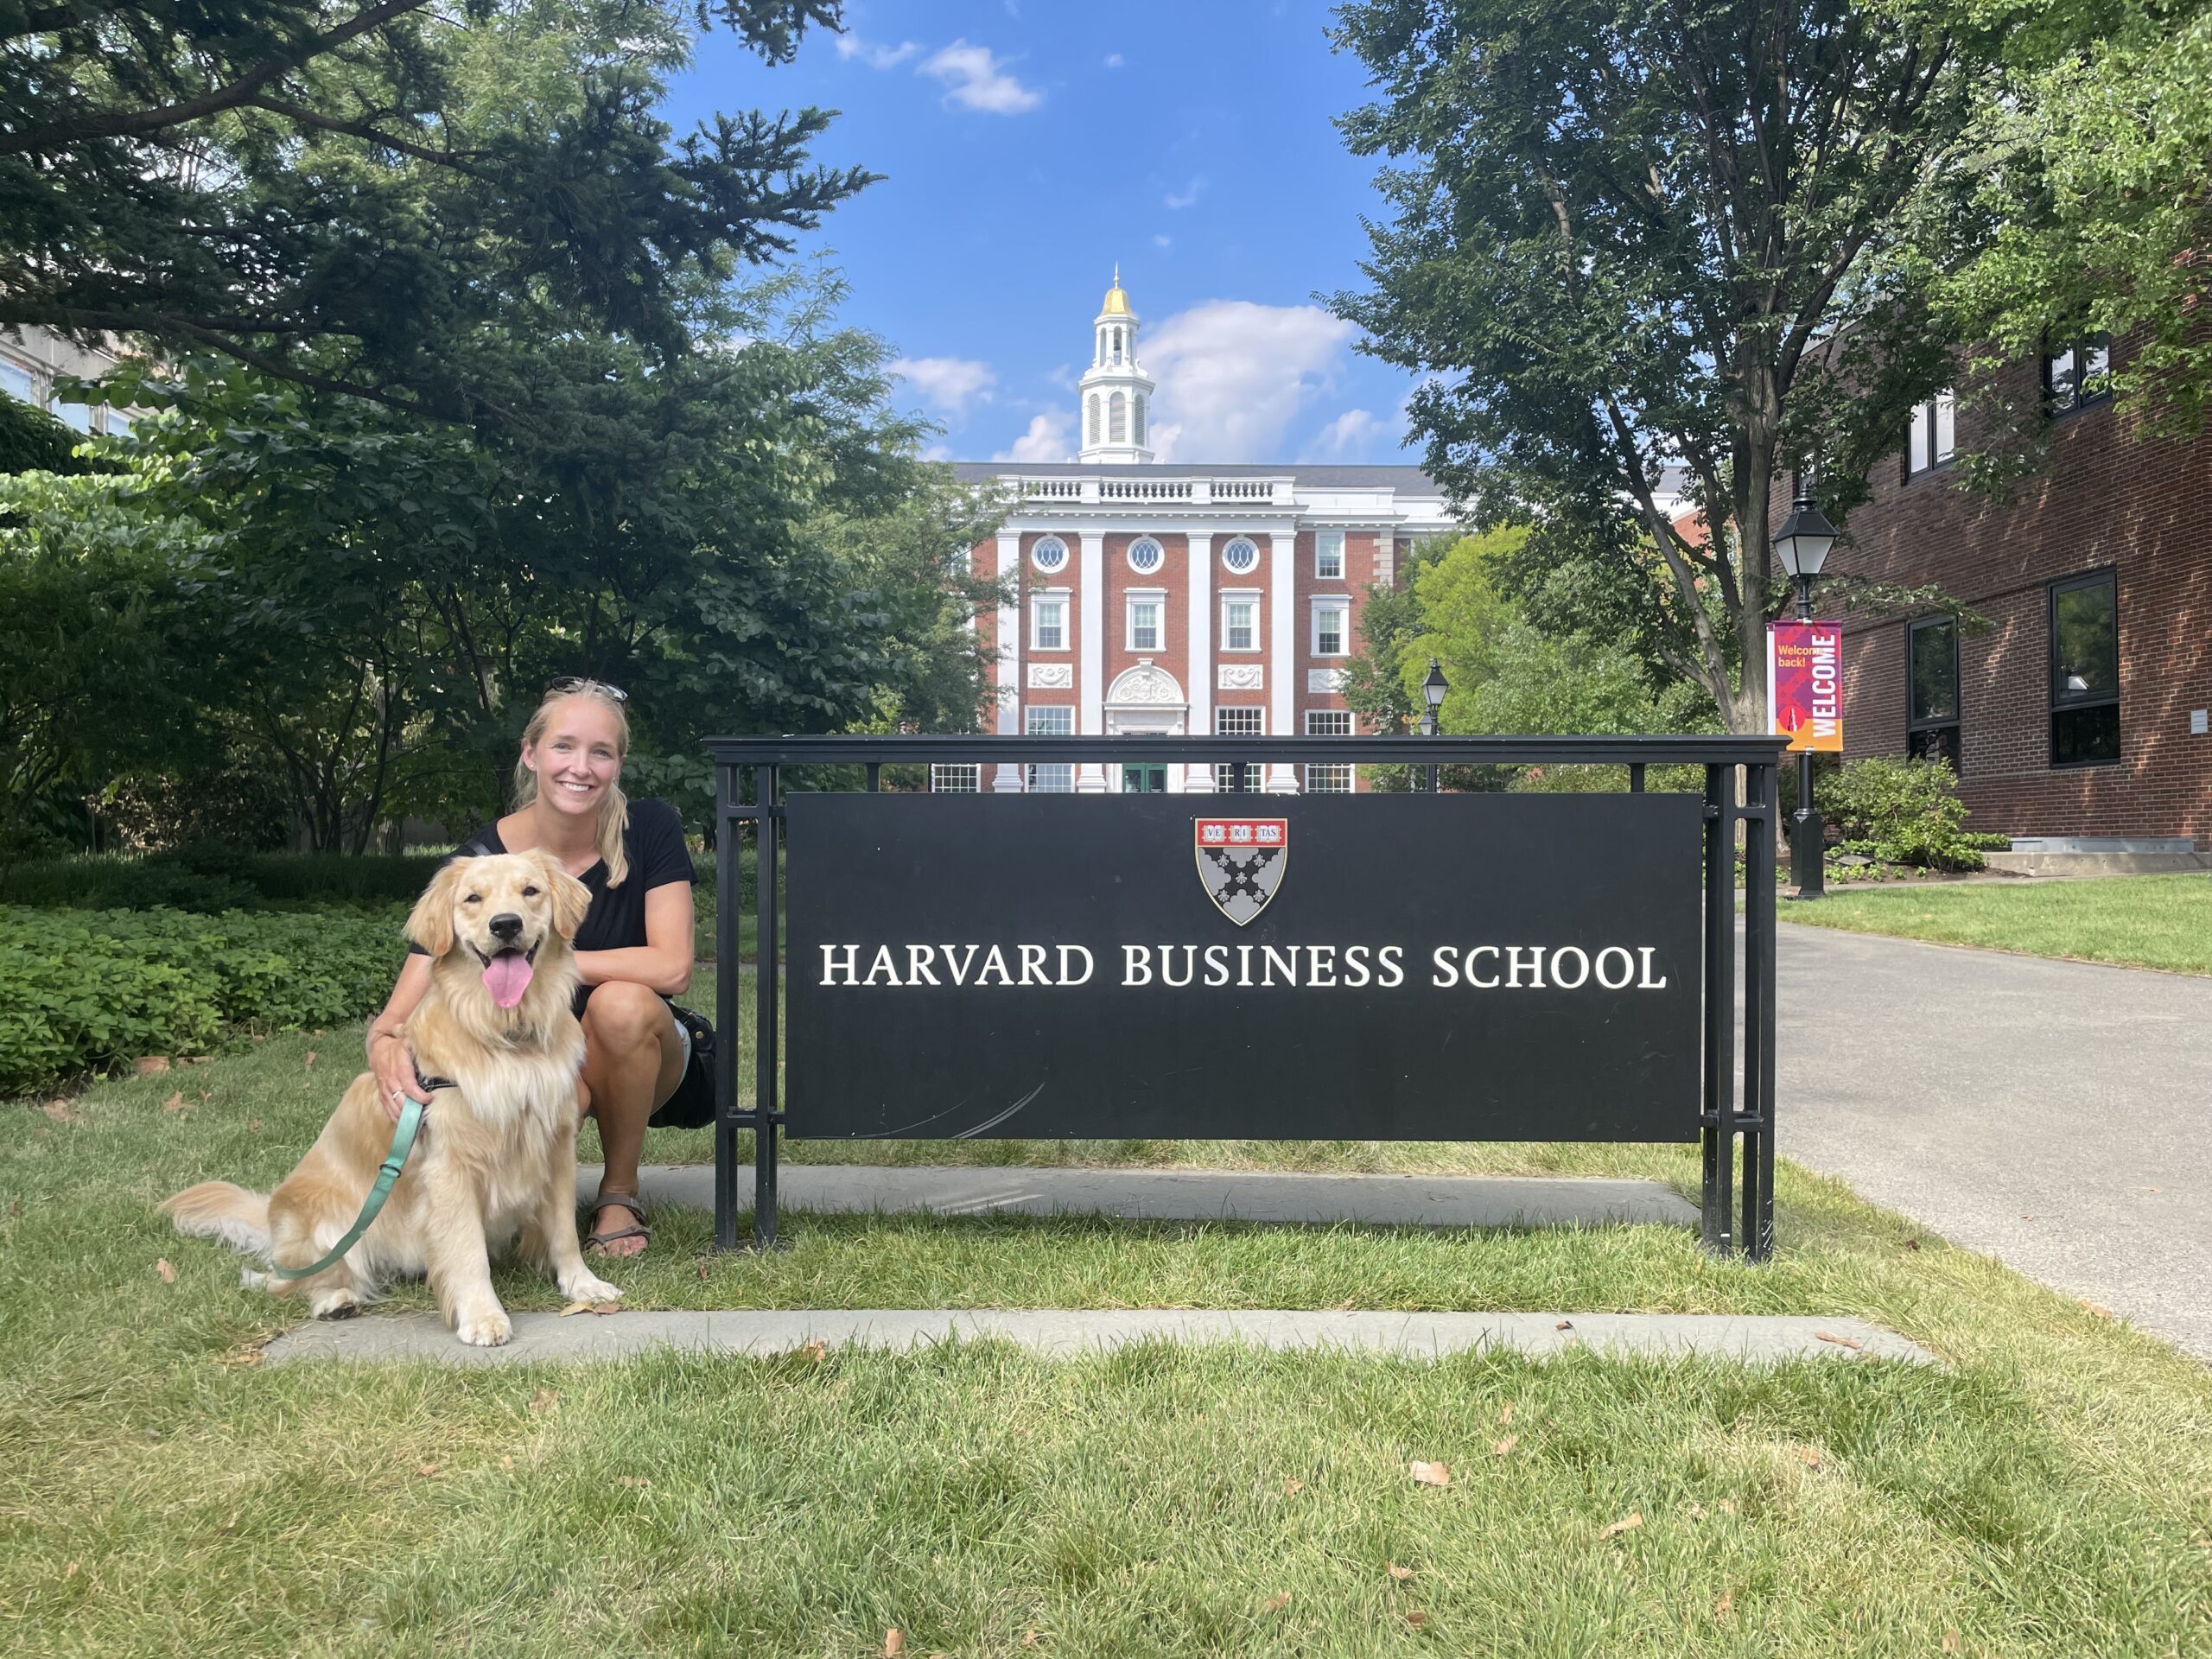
column 1117, row 419
column 1137, row 428
column 1145, row 556
column 1049, row 554
column 1090, row 426
column 1240, row 556
column 1117, row 345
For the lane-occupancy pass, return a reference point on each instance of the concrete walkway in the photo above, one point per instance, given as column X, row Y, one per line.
column 1055, row 1334
column 1183, row 1195
column 2055, row 1114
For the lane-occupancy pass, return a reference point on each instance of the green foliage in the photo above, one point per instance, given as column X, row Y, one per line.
column 210, row 877
column 1903, row 811
column 32, row 441
column 397, row 198
column 89, row 990
column 1628, row 238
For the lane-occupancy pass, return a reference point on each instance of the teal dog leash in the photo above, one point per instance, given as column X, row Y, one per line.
column 402, row 1142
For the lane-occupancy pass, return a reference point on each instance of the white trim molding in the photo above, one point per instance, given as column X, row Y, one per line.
column 1282, row 585
column 1052, row 676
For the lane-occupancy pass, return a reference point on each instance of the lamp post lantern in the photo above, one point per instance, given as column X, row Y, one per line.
column 1802, row 544
column 1432, row 690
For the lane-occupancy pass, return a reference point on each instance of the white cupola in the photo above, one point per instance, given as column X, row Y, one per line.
column 1115, row 413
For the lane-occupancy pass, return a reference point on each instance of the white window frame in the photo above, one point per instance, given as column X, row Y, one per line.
column 1255, row 726
column 1038, row 604
column 1931, row 436
column 1251, row 599
column 1328, row 544
column 1153, row 542
column 1230, row 546
column 1342, row 608
column 1036, row 555
column 1157, row 599
column 956, row 780
column 1335, row 778
column 1057, row 779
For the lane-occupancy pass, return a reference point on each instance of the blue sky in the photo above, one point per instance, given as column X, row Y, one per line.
column 1028, row 145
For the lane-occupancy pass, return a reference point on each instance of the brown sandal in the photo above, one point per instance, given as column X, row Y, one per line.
column 597, row 1241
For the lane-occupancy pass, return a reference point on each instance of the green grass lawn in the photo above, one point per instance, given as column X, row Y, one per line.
column 2140, row 921
column 2048, row 1492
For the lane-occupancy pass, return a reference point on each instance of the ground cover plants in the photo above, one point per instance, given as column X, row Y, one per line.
column 2138, row 921
column 160, row 1491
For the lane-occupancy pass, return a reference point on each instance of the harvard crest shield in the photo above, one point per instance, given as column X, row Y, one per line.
column 1241, row 863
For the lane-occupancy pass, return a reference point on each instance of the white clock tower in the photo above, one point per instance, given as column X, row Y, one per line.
column 1116, row 396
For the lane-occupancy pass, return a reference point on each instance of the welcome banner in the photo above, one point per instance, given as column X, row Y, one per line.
column 1804, row 681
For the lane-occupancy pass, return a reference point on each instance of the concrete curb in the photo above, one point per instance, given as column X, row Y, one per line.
column 1183, row 1195
column 1058, row 1334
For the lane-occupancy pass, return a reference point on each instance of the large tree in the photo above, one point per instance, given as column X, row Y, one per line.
column 1630, row 237
column 381, row 195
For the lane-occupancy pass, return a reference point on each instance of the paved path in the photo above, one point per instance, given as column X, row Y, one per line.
column 1184, row 1195
column 2055, row 1114
column 1058, row 1334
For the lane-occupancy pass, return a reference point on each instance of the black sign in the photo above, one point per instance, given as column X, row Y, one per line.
column 1391, row 967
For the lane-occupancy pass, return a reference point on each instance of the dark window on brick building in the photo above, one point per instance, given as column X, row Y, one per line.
column 1932, row 696
column 1931, row 436
column 2077, row 374
column 2085, row 670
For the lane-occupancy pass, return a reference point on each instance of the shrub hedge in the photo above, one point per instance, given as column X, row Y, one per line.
column 1903, row 811
column 89, row 990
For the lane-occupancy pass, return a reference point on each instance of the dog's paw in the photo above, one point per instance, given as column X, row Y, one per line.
column 335, row 1305
column 488, row 1329
column 590, row 1288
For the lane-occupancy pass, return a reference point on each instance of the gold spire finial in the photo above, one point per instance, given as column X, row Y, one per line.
column 1117, row 302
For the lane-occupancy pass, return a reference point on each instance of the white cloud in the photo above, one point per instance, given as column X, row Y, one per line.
column 1049, row 438
column 1115, row 60
column 875, row 54
column 1179, row 199
column 1233, row 375
column 978, row 80
column 950, row 383
column 1353, row 432
column 1163, row 241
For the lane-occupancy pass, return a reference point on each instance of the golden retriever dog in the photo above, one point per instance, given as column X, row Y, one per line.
column 496, row 1155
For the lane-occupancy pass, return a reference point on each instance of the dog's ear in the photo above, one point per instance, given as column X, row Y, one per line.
column 571, row 898
column 430, row 923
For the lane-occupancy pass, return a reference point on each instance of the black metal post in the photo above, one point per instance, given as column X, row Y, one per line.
column 1757, row 1120
column 729, row 834
column 1429, row 729
column 767, row 981
column 1717, row 1135
column 1808, row 835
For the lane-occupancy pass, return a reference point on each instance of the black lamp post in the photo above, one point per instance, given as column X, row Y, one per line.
column 1432, row 690
column 1802, row 544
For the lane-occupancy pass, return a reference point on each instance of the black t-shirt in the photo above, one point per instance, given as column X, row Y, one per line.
column 616, row 920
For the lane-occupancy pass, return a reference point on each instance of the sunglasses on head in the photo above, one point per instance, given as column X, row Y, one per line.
column 568, row 682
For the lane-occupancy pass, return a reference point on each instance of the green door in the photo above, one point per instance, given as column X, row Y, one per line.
column 1144, row 780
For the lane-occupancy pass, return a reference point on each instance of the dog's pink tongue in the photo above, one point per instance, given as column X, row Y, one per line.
column 507, row 978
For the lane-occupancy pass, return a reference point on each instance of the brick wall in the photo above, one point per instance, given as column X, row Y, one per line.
column 2107, row 496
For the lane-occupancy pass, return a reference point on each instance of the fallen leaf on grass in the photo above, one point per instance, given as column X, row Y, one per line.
column 636, row 1483
column 1727, row 1506
column 2099, row 1309
column 1430, row 1474
column 894, row 1643
column 1950, row 1641
column 1840, row 1342
column 427, row 1469
column 1696, row 1511
column 167, row 1271
column 1275, row 1603
column 605, row 1309
column 575, row 1308
column 1506, row 1416
column 1029, row 1638
column 1628, row 1522
column 816, row 1351
column 1502, row 1446
column 253, row 1126
column 1292, row 1486
column 152, row 1065
column 1810, row 1456
column 59, row 1111
column 702, row 1270
column 310, row 1059
column 174, row 1103
column 1726, row 1604
column 246, row 1353
column 544, row 1399
column 506, row 1462
column 1400, row 1574
column 1912, row 1243
column 1564, row 1325
column 1416, row 1620
column 71, row 1571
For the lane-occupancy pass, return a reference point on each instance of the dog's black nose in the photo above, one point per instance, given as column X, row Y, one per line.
column 508, row 927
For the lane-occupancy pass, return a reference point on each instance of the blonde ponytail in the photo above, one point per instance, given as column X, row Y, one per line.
column 614, row 806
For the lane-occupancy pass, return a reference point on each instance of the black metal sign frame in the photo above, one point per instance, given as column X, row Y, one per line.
column 765, row 764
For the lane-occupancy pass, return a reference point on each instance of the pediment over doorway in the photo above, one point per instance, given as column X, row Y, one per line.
column 1145, row 684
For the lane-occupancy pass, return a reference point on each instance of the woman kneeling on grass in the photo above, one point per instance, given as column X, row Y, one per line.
column 634, row 947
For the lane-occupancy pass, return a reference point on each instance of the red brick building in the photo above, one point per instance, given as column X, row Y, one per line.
column 2082, row 710
column 1157, row 597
